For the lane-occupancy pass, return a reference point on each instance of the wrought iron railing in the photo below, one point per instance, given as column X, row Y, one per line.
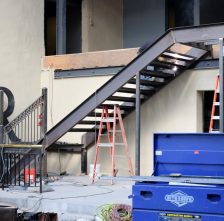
column 20, row 160
column 20, row 168
column 29, row 126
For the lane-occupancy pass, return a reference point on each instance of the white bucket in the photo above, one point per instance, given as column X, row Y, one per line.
column 91, row 168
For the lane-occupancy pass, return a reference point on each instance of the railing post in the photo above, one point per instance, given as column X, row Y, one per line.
column 1, row 117
column 44, row 130
column 2, row 129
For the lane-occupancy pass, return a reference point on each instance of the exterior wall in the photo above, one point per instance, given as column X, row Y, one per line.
column 175, row 108
column 102, row 24
column 22, row 46
column 143, row 21
column 64, row 96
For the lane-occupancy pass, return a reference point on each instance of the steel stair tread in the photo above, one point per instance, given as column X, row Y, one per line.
column 133, row 91
column 158, row 74
column 146, row 82
column 120, row 98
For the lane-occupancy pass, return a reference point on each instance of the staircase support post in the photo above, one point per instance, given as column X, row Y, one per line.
column 44, row 129
column 61, row 26
column 1, row 116
column 137, row 126
column 221, row 86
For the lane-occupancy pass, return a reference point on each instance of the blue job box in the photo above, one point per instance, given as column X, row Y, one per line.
column 188, row 155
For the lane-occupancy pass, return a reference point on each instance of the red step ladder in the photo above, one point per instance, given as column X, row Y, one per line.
column 215, row 105
column 111, row 129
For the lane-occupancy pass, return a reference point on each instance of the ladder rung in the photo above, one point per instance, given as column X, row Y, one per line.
column 104, row 145
column 119, row 144
column 215, row 117
column 216, row 103
column 214, row 131
column 117, row 131
column 109, row 145
column 110, row 119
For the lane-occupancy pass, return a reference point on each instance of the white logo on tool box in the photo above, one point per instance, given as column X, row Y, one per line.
column 179, row 198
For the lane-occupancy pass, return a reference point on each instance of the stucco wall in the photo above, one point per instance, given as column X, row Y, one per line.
column 175, row 108
column 22, row 46
column 64, row 95
column 102, row 25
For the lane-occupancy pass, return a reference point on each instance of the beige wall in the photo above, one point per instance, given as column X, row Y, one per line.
column 175, row 108
column 21, row 48
column 64, row 95
column 102, row 25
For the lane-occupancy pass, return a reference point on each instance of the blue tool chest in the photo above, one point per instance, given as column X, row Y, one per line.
column 183, row 155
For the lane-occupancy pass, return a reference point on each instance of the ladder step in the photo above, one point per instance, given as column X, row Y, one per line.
column 110, row 119
column 104, row 145
column 216, row 117
column 109, row 145
column 214, row 131
column 117, row 131
column 216, row 103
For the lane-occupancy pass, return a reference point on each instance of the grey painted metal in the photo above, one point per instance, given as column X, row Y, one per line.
column 44, row 128
column 196, row 12
column 202, row 64
column 1, row 117
column 221, row 86
column 169, row 179
column 108, row 89
column 87, row 72
column 198, row 33
column 137, row 125
column 44, row 112
column 61, row 26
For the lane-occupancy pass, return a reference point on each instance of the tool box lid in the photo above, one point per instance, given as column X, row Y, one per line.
column 189, row 154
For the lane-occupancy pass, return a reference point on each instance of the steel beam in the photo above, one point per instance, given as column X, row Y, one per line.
column 221, row 86
column 44, row 128
column 196, row 12
column 87, row 72
column 108, row 89
column 198, row 33
column 137, row 125
column 61, row 27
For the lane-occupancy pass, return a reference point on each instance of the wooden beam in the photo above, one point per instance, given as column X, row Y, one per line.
column 113, row 58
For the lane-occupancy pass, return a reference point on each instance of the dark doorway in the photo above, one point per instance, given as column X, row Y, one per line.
column 180, row 13
column 207, row 108
column 211, row 11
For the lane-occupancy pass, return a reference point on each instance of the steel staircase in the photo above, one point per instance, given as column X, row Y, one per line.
column 160, row 63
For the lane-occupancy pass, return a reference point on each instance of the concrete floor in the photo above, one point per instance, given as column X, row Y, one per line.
column 72, row 197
